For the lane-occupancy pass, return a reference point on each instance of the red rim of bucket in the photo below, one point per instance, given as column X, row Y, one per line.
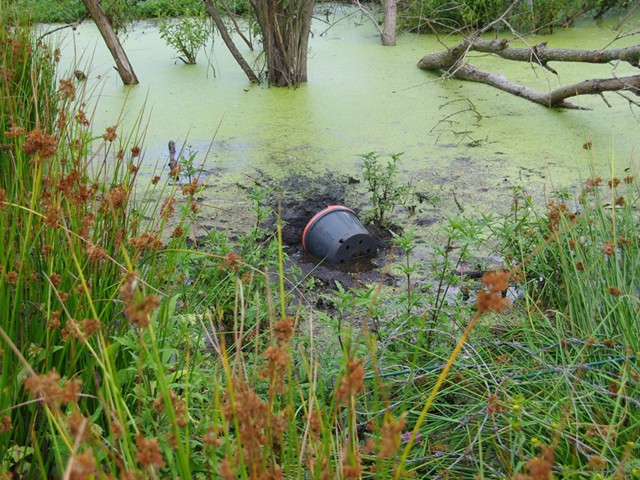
column 317, row 217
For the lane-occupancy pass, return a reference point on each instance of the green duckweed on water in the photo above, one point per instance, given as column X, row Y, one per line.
column 363, row 97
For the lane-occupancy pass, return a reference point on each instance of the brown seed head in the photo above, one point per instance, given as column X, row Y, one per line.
column 49, row 388
column 149, row 454
column 283, row 330
column 79, row 426
column 178, row 232
column 225, row 470
column 5, row 424
column 12, row 278
column 81, row 118
column 496, row 281
column 39, row 142
column 110, row 134
column 168, row 207
column 616, row 292
column 67, row 89
column 14, row 131
column 82, row 466
column 117, row 197
column 192, row 188
column 597, row 462
column 146, row 241
column 608, row 248
column 139, row 313
column 390, row 436
column 352, row 382
column 488, row 301
column 232, row 260
column 129, row 285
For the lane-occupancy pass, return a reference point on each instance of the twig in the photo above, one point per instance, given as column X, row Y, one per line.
column 367, row 11
column 458, row 204
column 72, row 26
column 626, row 17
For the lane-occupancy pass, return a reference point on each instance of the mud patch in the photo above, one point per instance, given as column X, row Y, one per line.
column 297, row 199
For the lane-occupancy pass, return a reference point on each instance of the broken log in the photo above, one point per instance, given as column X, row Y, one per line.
column 453, row 62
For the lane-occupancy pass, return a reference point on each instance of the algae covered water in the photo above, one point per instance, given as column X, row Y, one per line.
column 458, row 138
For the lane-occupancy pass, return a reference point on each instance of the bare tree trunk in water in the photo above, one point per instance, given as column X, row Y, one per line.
column 285, row 27
column 224, row 33
column 124, row 68
column 390, row 8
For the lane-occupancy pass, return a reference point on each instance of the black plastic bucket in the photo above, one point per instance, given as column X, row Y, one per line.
column 336, row 235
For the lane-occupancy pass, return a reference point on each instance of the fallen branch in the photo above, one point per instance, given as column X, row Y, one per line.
column 72, row 26
column 453, row 61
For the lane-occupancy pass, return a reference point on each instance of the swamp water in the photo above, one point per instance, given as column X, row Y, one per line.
column 360, row 97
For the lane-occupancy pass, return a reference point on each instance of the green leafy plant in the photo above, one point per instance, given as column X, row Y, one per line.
column 187, row 35
column 188, row 166
column 427, row 16
column 381, row 179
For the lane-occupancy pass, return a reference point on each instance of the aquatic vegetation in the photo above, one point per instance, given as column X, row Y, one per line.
column 187, row 35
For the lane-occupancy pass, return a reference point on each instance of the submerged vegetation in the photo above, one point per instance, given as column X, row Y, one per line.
column 132, row 348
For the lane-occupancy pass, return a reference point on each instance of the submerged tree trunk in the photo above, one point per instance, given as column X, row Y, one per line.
column 224, row 33
column 123, row 66
column 454, row 62
column 285, row 27
column 390, row 8
column 389, row 23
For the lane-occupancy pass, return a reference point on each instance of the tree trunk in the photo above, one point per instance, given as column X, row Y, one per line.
column 285, row 30
column 123, row 66
column 390, row 20
column 454, row 62
column 224, row 33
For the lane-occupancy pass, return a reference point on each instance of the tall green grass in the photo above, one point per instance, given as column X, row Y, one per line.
column 127, row 352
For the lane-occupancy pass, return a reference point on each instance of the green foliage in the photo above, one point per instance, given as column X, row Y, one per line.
column 381, row 179
column 427, row 16
column 168, row 8
column 188, row 165
column 589, row 268
column 187, row 35
column 49, row 11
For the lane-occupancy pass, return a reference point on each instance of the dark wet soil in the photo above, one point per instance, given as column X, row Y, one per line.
column 298, row 199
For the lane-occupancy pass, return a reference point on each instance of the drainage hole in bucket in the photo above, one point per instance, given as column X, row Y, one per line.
column 341, row 240
column 347, row 247
column 360, row 242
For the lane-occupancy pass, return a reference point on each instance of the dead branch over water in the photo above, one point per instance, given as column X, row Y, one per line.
column 453, row 62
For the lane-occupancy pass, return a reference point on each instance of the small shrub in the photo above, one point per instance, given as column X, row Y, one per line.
column 382, row 183
column 187, row 35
